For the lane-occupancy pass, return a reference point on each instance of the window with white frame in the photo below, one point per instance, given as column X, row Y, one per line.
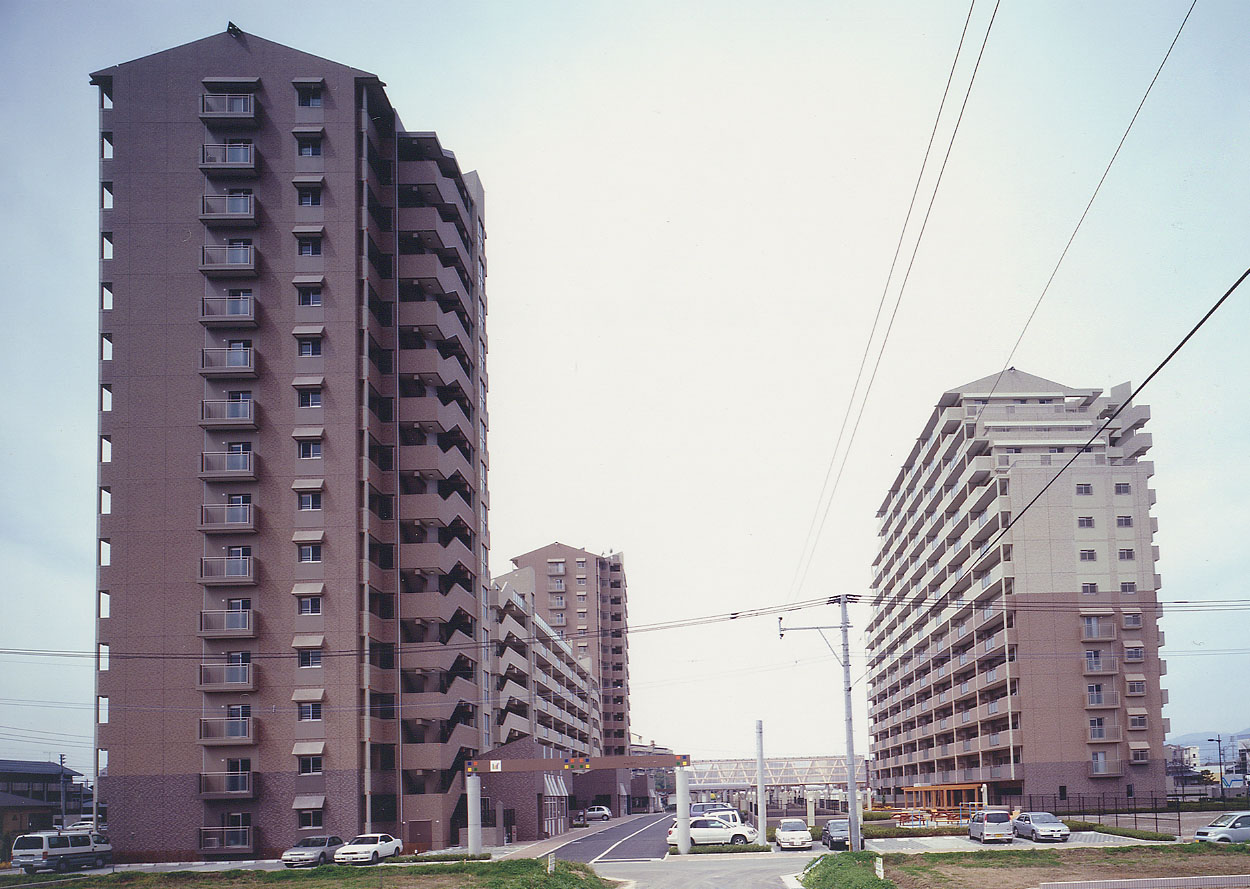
column 1127, row 555
column 1124, row 521
column 1123, row 488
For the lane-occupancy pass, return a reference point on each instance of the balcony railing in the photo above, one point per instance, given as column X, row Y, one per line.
column 228, row 363
column 228, row 261
column 227, row 311
column 227, row 730
column 237, row 109
column 226, row 677
column 1103, row 733
column 228, row 160
column 225, row 517
column 227, row 624
column 1104, row 664
column 1097, row 634
column 1102, row 699
column 228, row 209
column 228, row 414
column 1106, row 768
column 226, row 785
column 226, row 840
column 223, row 466
column 227, row 570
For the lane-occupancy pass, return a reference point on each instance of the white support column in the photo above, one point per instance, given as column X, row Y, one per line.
column 683, row 811
column 761, row 797
column 473, row 787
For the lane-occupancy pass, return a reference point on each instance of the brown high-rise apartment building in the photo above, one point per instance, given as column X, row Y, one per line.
column 1022, row 658
column 585, row 597
column 292, row 480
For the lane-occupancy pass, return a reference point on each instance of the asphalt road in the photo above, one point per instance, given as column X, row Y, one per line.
column 637, row 839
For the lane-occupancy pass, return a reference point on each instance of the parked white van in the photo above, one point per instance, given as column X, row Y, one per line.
column 61, row 850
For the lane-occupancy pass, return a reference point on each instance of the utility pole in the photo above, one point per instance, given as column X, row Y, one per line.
column 761, row 799
column 63, row 790
column 852, row 788
column 1219, row 744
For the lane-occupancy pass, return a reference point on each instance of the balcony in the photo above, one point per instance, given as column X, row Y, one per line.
column 238, row 261
column 226, row 677
column 227, row 625
column 227, row 571
column 220, row 731
column 1096, row 700
column 1102, row 734
column 1106, row 768
column 227, row 785
column 228, row 311
column 228, row 364
column 228, row 110
column 228, row 161
column 1100, row 633
column 227, row 840
column 228, row 414
column 223, row 466
column 1098, row 666
column 228, row 210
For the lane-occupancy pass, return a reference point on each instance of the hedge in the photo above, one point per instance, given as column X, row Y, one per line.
column 713, row 849
column 846, row 870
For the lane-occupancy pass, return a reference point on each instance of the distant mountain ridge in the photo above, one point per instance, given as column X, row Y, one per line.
column 1206, row 749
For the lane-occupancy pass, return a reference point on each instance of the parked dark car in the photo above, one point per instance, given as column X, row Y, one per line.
column 836, row 834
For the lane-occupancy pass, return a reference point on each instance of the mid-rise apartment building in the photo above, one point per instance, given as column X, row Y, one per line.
column 1014, row 641
column 540, row 689
column 585, row 598
column 293, row 573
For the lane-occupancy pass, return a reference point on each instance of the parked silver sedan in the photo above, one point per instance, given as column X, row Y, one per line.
column 312, row 851
column 1038, row 826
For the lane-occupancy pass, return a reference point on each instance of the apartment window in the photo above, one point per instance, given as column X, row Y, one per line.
column 310, row 398
column 310, row 552
column 1089, row 555
column 555, row 567
column 310, row 657
column 1056, row 450
column 1123, row 488
column 1127, row 555
column 581, row 581
column 310, row 765
column 1085, row 521
column 106, row 146
column 1141, row 756
column 106, row 449
column 1136, row 687
column 106, row 195
column 106, row 297
column 310, row 246
column 1124, row 521
column 309, row 96
column 1084, row 489
column 309, row 450
column 310, row 296
column 309, row 347
column 1136, row 653
column 310, row 819
column 1132, row 621
column 1089, row 588
column 309, row 500
column 1137, row 722
column 106, row 245
column 310, row 712
column 310, row 196
column 1097, row 728
column 309, row 605
column 309, row 146
column 1089, row 625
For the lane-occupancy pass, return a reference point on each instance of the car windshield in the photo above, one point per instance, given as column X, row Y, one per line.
column 310, row 841
column 997, row 817
column 1222, row 821
column 839, row 825
column 368, row 839
column 1043, row 818
column 793, row 824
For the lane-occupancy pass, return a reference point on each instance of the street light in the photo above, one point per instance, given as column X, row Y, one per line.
column 1219, row 745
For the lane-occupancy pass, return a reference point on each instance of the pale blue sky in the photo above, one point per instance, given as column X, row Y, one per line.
column 691, row 211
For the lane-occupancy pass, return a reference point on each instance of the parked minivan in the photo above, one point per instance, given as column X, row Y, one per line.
column 61, row 850
column 990, row 825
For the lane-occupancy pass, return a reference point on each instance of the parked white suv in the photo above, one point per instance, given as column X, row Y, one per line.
column 1231, row 827
column 61, row 850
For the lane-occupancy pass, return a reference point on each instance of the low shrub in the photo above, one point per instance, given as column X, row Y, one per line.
column 1119, row 831
column 887, row 831
column 441, row 856
column 846, row 870
column 712, row 849
column 876, row 815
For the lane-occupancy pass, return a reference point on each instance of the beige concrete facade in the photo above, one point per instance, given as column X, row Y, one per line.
column 292, row 478
column 585, row 598
column 1024, row 659
column 540, row 689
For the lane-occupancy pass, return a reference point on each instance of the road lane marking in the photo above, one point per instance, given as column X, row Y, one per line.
column 631, row 836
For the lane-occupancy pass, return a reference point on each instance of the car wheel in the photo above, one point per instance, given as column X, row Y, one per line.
column 28, row 870
column 373, row 859
column 740, row 840
column 62, row 866
column 321, row 859
column 1223, row 840
column 99, row 862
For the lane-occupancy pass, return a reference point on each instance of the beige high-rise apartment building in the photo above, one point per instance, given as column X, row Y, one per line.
column 293, row 538
column 1022, row 658
column 585, row 597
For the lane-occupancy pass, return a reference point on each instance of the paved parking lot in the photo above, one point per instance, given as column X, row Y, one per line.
column 963, row 844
